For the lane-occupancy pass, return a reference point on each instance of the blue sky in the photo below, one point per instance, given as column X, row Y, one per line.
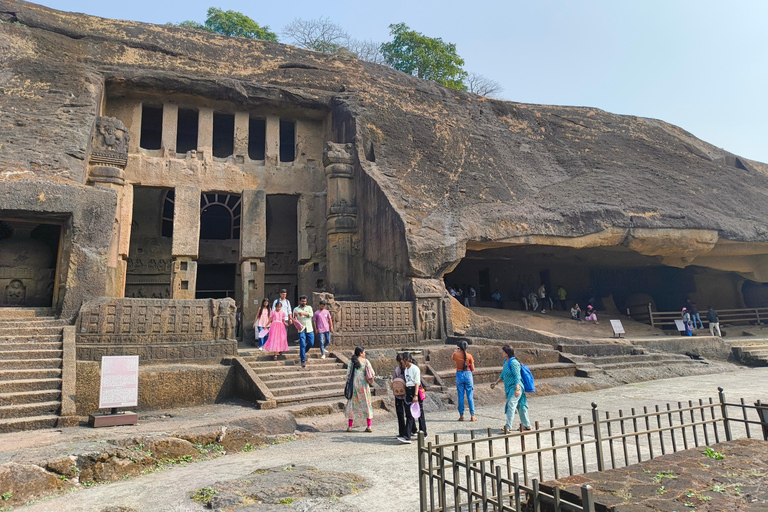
column 702, row 65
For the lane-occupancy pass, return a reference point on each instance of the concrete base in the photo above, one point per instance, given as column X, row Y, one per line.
column 113, row 420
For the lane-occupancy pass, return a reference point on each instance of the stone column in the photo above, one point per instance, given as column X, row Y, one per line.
column 170, row 125
column 253, row 251
column 341, row 217
column 186, row 242
column 109, row 156
column 205, row 133
column 241, row 136
column 272, row 148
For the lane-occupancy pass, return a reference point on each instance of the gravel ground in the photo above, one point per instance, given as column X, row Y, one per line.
column 389, row 467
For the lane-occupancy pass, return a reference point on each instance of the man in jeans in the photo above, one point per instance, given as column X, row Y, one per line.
column 324, row 326
column 714, row 322
column 303, row 313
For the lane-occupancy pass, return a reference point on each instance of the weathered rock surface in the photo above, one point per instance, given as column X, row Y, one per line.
column 442, row 170
column 301, row 487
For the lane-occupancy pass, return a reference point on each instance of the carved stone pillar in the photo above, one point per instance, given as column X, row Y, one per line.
column 341, row 216
column 186, row 242
column 253, row 250
column 109, row 156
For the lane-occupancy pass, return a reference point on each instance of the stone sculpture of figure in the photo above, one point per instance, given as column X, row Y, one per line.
column 111, row 135
column 428, row 319
column 223, row 318
column 15, row 293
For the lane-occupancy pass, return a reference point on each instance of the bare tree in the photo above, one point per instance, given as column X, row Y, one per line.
column 367, row 50
column 323, row 35
column 482, row 85
column 320, row 35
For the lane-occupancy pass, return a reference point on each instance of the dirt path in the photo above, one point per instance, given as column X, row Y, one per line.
column 389, row 466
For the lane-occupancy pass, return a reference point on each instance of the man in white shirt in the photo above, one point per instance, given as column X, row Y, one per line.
column 303, row 313
column 285, row 302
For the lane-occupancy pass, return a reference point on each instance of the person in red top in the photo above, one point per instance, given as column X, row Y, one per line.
column 323, row 326
column 465, row 365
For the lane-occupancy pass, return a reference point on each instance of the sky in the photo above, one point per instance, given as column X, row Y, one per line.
column 701, row 65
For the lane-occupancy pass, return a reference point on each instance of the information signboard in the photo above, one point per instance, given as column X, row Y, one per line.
column 680, row 325
column 618, row 328
column 119, row 382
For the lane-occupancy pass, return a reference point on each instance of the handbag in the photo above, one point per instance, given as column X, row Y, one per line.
column 369, row 373
column 422, row 393
column 349, row 389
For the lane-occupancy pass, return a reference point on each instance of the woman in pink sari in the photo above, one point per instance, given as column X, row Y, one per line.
column 278, row 336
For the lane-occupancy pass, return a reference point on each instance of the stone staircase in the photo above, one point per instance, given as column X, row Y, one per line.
column 322, row 380
column 753, row 354
column 31, row 349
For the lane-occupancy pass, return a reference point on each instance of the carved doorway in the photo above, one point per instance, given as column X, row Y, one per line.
column 29, row 256
column 282, row 268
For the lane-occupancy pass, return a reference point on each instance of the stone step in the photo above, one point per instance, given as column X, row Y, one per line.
column 491, row 373
column 600, row 361
column 258, row 355
column 23, row 312
column 31, row 373
column 30, row 397
column 28, row 423
column 35, row 338
column 600, row 349
column 261, row 367
column 18, row 385
column 25, row 410
column 299, row 373
column 474, row 340
column 20, row 364
column 646, row 364
column 315, row 396
column 756, row 352
column 31, row 322
column 308, row 388
column 308, row 377
column 30, row 331
column 25, row 346
column 29, row 354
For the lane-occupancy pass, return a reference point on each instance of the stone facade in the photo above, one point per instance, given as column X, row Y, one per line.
column 158, row 331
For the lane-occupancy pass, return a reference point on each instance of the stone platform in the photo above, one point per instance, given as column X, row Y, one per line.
column 686, row 480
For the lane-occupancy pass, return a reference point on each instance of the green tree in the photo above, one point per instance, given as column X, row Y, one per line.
column 425, row 57
column 231, row 23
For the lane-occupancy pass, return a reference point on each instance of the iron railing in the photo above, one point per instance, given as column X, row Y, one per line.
column 666, row 319
column 483, row 471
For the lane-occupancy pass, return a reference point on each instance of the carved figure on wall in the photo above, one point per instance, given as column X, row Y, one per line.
column 223, row 313
column 110, row 143
column 15, row 293
column 428, row 319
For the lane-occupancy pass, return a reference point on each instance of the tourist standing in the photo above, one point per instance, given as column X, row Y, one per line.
column 497, row 299
column 283, row 299
column 466, row 296
column 278, row 335
column 542, row 297
column 513, row 386
column 323, row 327
column 687, row 322
column 472, row 296
column 465, row 365
column 398, row 386
column 533, row 301
column 359, row 406
column 561, row 295
column 412, row 375
column 714, row 322
column 695, row 316
column 304, row 314
column 261, row 322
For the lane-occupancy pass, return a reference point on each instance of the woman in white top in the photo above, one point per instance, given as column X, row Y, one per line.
column 412, row 375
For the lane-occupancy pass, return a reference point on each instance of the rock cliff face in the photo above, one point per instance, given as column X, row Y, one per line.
column 448, row 170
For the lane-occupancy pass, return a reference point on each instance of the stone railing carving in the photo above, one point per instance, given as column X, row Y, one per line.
column 371, row 324
column 157, row 330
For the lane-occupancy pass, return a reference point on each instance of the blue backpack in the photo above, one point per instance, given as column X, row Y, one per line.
column 526, row 376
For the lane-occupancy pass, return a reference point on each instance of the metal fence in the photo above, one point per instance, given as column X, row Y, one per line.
column 666, row 319
column 484, row 471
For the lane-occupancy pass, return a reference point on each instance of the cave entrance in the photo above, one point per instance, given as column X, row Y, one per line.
column 148, row 271
column 30, row 254
column 282, row 269
column 612, row 277
column 219, row 251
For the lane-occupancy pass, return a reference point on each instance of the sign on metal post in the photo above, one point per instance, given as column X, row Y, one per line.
column 618, row 328
column 119, row 382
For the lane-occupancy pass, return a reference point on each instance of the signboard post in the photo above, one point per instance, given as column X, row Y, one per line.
column 618, row 328
column 119, row 388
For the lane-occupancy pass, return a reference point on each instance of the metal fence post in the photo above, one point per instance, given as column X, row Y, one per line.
column 598, row 437
column 762, row 412
column 587, row 499
column 726, row 424
column 422, row 483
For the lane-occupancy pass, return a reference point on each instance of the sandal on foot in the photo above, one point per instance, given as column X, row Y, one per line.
column 368, row 429
column 461, row 418
column 525, row 429
column 474, row 418
column 349, row 429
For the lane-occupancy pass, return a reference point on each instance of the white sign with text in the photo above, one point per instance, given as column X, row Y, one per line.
column 119, row 382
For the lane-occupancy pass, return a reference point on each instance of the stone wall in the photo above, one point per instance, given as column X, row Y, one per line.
column 157, row 330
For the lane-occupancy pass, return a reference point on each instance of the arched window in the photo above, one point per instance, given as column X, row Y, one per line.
column 219, row 216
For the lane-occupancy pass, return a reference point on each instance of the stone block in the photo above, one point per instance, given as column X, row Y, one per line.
column 253, row 237
column 186, row 222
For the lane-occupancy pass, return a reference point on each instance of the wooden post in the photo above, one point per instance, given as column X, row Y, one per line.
column 650, row 314
column 422, row 483
column 598, row 437
column 726, row 424
column 587, row 499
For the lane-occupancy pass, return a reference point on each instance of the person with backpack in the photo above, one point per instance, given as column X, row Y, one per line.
column 515, row 390
column 465, row 365
column 398, row 390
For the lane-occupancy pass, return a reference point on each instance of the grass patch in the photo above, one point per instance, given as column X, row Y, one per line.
column 203, row 495
column 286, row 501
column 712, row 454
